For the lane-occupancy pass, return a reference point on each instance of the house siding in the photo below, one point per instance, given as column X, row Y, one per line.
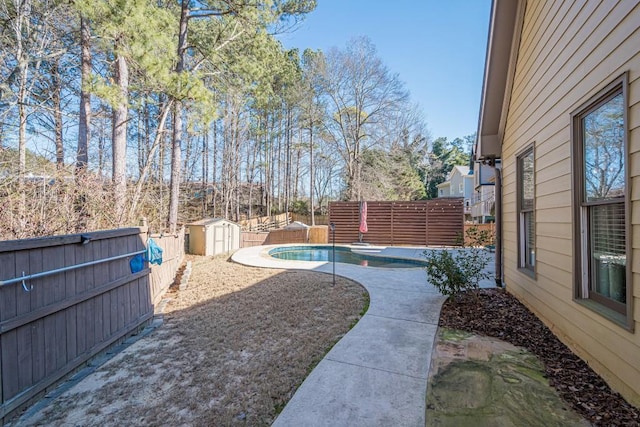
column 568, row 51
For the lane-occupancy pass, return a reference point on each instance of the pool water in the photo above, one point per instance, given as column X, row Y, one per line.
column 343, row 255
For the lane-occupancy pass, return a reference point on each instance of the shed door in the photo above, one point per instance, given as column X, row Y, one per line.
column 209, row 239
column 218, row 243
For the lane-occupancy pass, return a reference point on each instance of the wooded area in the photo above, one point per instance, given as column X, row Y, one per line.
column 111, row 110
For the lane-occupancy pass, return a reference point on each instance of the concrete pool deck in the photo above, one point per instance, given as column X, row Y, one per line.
column 377, row 374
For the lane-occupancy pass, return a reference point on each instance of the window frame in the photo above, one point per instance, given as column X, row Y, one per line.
column 523, row 265
column 617, row 312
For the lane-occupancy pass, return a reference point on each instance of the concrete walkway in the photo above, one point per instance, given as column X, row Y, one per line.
column 377, row 374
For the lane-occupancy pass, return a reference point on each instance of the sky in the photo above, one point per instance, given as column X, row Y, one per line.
column 437, row 47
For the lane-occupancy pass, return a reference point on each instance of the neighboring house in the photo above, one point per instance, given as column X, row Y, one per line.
column 483, row 199
column 459, row 183
column 444, row 189
column 561, row 109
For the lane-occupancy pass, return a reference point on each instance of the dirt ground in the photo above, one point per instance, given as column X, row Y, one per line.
column 233, row 348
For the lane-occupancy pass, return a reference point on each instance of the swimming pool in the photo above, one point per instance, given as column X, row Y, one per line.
column 343, row 254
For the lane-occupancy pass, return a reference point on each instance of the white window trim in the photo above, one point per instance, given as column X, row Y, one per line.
column 522, row 229
column 580, row 215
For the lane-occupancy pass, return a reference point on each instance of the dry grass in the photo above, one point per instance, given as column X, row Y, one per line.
column 233, row 349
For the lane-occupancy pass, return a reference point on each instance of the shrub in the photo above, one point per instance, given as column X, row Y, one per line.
column 453, row 273
column 477, row 237
column 460, row 270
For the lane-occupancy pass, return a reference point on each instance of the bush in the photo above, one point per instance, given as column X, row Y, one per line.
column 459, row 272
column 477, row 237
column 453, row 273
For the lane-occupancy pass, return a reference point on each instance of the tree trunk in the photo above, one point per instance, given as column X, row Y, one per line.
column 22, row 118
column 311, row 207
column 101, row 149
column 158, row 141
column 119, row 139
column 57, row 115
column 176, row 145
column 205, row 171
column 176, row 152
column 236, row 165
column 214, row 172
column 287, row 162
column 82, row 157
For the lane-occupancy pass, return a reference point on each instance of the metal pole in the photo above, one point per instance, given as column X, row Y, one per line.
column 333, row 233
column 69, row 268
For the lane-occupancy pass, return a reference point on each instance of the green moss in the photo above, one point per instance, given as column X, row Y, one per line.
column 453, row 334
column 508, row 390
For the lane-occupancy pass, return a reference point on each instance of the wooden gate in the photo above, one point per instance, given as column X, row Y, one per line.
column 63, row 300
column 437, row 222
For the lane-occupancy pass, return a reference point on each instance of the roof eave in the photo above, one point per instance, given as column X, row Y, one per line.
column 502, row 51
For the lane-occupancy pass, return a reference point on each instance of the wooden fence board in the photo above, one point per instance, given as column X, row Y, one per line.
column 38, row 350
column 10, row 382
column 287, row 236
column 162, row 276
column 71, row 312
column 60, row 344
column 419, row 223
column 68, row 316
column 25, row 358
column 95, row 333
column 7, row 293
column 23, row 299
column 70, row 239
column 253, row 238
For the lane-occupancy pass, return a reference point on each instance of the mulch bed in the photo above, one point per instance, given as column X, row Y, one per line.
column 498, row 314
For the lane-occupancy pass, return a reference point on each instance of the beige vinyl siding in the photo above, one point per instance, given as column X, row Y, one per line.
column 568, row 51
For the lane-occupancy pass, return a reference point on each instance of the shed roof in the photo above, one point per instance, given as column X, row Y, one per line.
column 211, row 221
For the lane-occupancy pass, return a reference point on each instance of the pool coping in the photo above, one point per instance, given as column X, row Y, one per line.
column 371, row 252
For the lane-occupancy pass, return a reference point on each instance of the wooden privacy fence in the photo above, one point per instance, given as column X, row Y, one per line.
column 317, row 235
column 437, row 222
column 265, row 223
column 64, row 299
column 162, row 275
column 306, row 219
column 253, row 238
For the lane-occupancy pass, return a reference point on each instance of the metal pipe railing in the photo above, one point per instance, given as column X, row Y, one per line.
column 63, row 269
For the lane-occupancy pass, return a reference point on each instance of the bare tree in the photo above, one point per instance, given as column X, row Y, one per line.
column 362, row 94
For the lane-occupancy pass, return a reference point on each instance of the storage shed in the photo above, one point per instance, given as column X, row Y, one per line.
column 213, row 236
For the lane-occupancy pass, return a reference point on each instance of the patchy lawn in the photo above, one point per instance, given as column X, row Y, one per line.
column 232, row 350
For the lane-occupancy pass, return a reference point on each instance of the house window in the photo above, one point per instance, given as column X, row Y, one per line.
column 600, row 185
column 526, row 211
column 460, row 187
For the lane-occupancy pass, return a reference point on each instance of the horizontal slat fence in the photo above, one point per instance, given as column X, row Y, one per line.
column 50, row 324
column 438, row 222
column 306, row 219
column 445, row 222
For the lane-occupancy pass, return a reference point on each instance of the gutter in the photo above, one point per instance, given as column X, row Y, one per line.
column 498, row 219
